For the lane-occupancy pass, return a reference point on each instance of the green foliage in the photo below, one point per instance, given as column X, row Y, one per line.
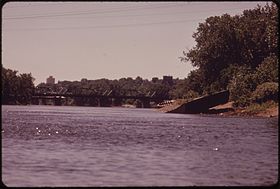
column 122, row 87
column 179, row 90
column 236, row 53
column 255, row 108
column 16, row 88
column 245, row 81
column 195, row 81
column 265, row 92
column 267, row 71
column 190, row 95
column 216, row 48
column 257, row 31
column 241, row 86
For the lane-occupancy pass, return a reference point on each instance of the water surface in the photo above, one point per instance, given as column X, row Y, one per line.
column 91, row 146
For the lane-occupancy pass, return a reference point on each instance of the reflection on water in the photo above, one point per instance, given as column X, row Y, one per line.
column 90, row 146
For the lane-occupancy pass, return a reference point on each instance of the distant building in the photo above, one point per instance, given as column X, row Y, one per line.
column 84, row 80
column 50, row 80
column 155, row 79
column 168, row 80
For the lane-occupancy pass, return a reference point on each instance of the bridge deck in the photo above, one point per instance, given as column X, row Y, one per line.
column 56, row 95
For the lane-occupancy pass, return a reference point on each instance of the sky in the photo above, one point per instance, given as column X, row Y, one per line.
column 94, row 40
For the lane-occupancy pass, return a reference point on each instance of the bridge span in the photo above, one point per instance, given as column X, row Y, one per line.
column 95, row 99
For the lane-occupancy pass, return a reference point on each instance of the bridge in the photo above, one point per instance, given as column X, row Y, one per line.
column 106, row 99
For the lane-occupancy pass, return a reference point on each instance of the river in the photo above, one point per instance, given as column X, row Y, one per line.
column 92, row 146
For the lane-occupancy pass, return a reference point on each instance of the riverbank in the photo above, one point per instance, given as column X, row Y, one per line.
column 268, row 109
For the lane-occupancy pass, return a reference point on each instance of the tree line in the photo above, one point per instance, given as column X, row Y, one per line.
column 239, row 53
column 118, row 87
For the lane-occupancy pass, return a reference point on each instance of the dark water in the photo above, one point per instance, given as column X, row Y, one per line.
column 86, row 146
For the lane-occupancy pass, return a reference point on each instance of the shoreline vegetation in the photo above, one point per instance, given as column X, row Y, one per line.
column 267, row 109
column 235, row 53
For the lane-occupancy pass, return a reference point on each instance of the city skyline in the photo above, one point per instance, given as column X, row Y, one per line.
column 94, row 40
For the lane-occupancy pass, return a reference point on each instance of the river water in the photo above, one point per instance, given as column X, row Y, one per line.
column 91, row 146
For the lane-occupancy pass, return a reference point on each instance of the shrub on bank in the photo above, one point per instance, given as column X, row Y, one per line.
column 256, row 108
column 241, row 86
column 255, row 85
column 266, row 91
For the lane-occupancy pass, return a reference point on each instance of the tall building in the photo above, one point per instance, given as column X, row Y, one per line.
column 50, row 80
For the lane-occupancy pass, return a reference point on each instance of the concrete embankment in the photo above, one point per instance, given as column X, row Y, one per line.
column 171, row 107
column 226, row 109
column 199, row 105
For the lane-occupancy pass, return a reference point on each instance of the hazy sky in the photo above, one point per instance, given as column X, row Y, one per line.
column 93, row 40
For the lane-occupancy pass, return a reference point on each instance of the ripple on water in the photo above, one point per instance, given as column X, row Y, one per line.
column 69, row 146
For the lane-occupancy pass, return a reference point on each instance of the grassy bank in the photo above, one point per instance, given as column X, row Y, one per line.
column 267, row 109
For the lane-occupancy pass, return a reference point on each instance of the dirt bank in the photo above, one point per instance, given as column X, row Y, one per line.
column 228, row 110
column 270, row 112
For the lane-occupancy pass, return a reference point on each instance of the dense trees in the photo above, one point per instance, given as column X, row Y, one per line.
column 235, row 52
column 19, row 88
column 122, row 87
column 16, row 89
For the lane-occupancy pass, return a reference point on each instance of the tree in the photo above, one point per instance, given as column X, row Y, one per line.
column 216, row 48
column 241, row 86
column 26, row 87
column 16, row 89
column 265, row 91
column 267, row 71
column 227, row 46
